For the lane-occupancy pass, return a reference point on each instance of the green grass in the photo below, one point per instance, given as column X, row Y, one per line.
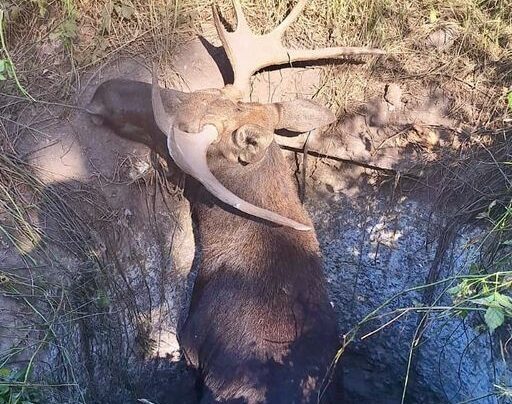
column 13, row 389
column 7, row 69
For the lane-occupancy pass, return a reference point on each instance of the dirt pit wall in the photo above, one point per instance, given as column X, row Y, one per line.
column 115, row 280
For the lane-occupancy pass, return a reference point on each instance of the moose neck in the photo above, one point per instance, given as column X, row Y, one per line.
column 230, row 238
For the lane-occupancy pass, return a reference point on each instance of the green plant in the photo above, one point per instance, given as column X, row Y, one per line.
column 14, row 389
column 492, row 290
column 42, row 5
column 67, row 30
column 488, row 291
column 8, row 65
column 5, row 69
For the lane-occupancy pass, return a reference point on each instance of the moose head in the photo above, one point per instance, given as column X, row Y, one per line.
column 221, row 123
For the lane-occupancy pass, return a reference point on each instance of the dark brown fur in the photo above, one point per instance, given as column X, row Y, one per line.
column 260, row 328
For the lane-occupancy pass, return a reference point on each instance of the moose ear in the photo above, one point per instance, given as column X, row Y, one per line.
column 251, row 142
column 303, row 115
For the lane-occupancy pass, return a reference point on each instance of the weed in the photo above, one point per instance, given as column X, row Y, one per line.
column 489, row 287
column 42, row 5
column 487, row 291
column 67, row 31
column 5, row 69
column 14, row 388
column 6, row 64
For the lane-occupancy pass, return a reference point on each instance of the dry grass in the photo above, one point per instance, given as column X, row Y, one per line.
column 36, row 281
column 65, row 39
column 54, row 43
column 69, row 300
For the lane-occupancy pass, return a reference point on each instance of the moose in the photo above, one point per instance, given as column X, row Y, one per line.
column 260, row 327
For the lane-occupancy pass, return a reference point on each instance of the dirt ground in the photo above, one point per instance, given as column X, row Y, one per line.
column 116, row 278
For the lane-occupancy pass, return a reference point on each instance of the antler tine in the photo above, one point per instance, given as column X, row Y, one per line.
column 249, row 53
column 241, row 21
column 224, row 36
column 301, row 55
column 219, row 27
column 290, row 18
column 237, row 44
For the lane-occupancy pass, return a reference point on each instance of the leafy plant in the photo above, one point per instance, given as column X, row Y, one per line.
column 124, row 9
column 42, row 6
column 498, row 306
column 13, row 388
column 5, row 69
column 66, row 32
column 490, row 290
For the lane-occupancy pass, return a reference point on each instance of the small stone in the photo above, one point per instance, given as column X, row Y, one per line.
column 432, row 138
column 442, row 38
column 393, row 95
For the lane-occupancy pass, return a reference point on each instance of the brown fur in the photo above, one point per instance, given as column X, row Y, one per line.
column 260, row 328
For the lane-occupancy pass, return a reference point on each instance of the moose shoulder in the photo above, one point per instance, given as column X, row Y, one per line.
column 260, row 328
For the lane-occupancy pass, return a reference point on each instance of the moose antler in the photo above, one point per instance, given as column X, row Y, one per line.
column 248, row 52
